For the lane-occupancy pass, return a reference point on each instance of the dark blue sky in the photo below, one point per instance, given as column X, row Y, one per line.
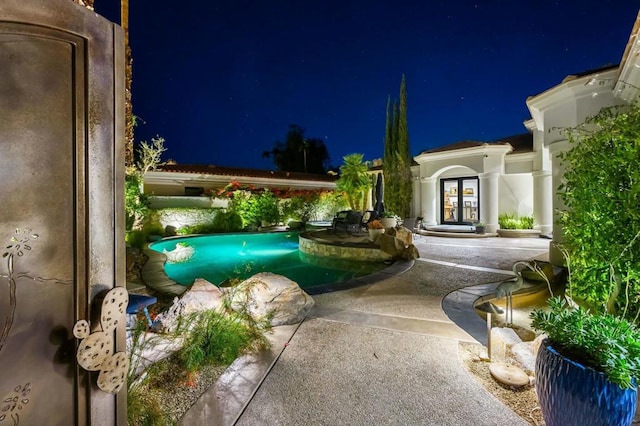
column 222, row 80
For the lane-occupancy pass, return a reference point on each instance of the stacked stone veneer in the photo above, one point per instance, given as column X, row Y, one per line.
column 339, row 251
column 180, row 217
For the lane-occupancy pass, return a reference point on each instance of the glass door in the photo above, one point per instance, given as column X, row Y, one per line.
column 450, row 201
column 460, row 200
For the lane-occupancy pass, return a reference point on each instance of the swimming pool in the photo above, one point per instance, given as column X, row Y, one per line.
column 219, row 258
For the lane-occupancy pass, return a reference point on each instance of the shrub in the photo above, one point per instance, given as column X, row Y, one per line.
column 329, row 204
column 228, row 221
column 254, row 208
column 136, row 204
column 507, row 221
column 136, row 239
column 211, row 338
column 204, row 228
column 526, row 222
column 601, row 226
column 154, row 228
column 511, row 221
column 218, row 339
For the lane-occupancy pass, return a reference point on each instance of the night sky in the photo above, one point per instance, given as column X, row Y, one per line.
column 222, row 80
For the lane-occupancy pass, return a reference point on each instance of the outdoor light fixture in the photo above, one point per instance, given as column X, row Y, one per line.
column 489, row 308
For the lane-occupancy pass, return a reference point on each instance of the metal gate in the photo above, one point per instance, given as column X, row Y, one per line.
column 61, row 205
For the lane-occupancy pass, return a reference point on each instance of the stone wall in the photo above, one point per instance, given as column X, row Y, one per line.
column 180, row 217
column 334, row 251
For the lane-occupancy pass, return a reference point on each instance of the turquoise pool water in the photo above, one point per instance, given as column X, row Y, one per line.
column 218, row 258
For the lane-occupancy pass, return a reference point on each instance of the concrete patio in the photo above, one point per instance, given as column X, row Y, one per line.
column 384, row 353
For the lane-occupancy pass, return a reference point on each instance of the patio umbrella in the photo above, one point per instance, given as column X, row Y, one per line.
column 379, row 206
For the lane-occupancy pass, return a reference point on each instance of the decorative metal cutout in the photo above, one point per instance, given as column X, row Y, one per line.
column 94, row 352
column 13, row 404
column 19, row 244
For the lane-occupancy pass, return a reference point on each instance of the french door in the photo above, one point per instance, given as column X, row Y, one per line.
column 460, row 202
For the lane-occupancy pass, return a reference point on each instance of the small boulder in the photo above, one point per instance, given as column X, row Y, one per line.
column 201, row 296
column 523, row 354
column 502, row 340
column 403, row 234
column 537, row 342
column 267, row 294
column 170, row 231
column 180, row 254
column 410, row 253
column 508, row 374
column 390, row 244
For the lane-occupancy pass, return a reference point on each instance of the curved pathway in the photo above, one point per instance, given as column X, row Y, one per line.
column 386, row 353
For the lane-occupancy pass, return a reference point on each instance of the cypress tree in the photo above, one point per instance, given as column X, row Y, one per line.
column 397, row 157
column 388, row 162
column 405, row 186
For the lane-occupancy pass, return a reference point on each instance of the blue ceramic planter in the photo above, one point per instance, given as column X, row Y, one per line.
column 572, row 394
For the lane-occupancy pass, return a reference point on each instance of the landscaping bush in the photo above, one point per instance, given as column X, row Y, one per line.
column 211, row 338
column 204, row 228
column 227, row 221
column 511, row 221
column 136, row 239
column 601, row 226
column 218, row 339
column 526, row 222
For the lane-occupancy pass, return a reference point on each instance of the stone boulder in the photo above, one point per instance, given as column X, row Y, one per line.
column 390, row 244
column 523, row 354
column 403, row 234
column 410, row 253
column 502, row 340
column 267, row 294
column 397, row 247
column 170, row 231
column 201, row 296
column 180, row 254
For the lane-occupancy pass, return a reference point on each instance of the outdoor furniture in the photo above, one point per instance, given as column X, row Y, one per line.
column 139, row 302
column 350, row 221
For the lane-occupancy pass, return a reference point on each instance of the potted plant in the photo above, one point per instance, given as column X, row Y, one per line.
column 389, row 220
column 588, row 366
column 480, row 228
column 375, row 228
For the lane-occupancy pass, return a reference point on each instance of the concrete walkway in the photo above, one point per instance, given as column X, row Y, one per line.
column 386, row 353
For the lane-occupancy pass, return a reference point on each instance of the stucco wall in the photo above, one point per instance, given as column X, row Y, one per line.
column 516, row 194
column 159, row 202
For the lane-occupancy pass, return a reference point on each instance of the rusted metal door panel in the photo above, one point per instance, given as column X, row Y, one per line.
column 61, row 229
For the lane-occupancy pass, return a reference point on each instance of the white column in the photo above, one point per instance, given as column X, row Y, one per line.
column 557, row 169
column 489, row 200
column 428, row 199
column 416, row 199
column 543, row 201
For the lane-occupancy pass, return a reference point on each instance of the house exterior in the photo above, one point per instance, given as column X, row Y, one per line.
column 178, row 185
column 471, row 181
column 521, row 174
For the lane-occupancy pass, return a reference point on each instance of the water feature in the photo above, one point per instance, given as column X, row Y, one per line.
column 219, row 258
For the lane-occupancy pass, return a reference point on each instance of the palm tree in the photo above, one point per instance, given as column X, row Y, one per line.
column 354, row 180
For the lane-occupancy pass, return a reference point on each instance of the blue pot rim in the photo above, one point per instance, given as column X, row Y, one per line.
column 548, row 345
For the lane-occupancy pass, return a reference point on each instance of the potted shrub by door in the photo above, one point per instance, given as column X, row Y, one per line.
column 480, row 228
column 588, row 367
